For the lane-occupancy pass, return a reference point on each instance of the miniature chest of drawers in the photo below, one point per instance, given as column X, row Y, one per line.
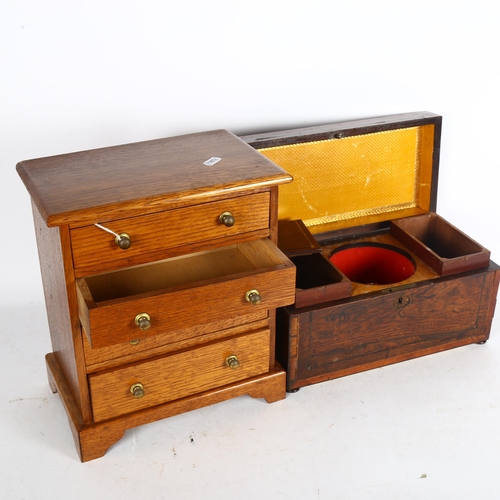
column 161, row 279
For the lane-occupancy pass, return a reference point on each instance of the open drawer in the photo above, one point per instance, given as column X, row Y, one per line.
column 184, row 292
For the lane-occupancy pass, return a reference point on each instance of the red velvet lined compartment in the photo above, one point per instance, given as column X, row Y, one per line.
column 372, row 263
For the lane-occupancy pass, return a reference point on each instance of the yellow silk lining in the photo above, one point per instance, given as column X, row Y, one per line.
column 364, row 178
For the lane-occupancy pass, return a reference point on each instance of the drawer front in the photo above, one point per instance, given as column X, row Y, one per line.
column 95, row 250
column 179, row 375
column 185, row 293
column 187, row 308
column 158, row 345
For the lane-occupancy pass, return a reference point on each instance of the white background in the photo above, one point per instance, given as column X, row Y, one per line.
column 81, row 75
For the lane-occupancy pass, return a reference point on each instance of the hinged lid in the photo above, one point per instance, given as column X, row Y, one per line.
column 357, row 172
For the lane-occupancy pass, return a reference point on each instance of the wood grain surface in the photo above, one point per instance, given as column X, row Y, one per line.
column 95, row 250
column 201, row 291
column 150, row 176
column 179, row 375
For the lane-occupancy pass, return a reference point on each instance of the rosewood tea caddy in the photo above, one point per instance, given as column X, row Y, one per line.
column 381, row 277
column 185, row 271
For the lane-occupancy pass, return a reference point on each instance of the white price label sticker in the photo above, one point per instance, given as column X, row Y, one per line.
column 212, row 161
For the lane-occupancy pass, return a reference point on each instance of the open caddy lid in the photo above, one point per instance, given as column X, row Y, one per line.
column 357, row 172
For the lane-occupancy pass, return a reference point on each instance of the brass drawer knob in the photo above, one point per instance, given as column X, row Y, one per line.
column 143, row 321
column 253, row 296
column 137, row 390
column 123, row 241
column 232, row 362
column 227, row 219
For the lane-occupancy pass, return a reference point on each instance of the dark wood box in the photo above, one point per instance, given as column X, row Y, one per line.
column 381, row 278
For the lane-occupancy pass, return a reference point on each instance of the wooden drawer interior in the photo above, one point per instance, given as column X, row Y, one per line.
column 184, row 292
column 179, row 375
column 186, row 270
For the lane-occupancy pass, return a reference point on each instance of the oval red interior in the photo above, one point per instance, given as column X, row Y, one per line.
column 374, row 265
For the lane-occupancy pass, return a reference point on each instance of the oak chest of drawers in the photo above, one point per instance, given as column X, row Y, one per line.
column 161, row 279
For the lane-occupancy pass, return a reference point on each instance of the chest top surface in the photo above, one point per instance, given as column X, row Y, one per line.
column 74, row 188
